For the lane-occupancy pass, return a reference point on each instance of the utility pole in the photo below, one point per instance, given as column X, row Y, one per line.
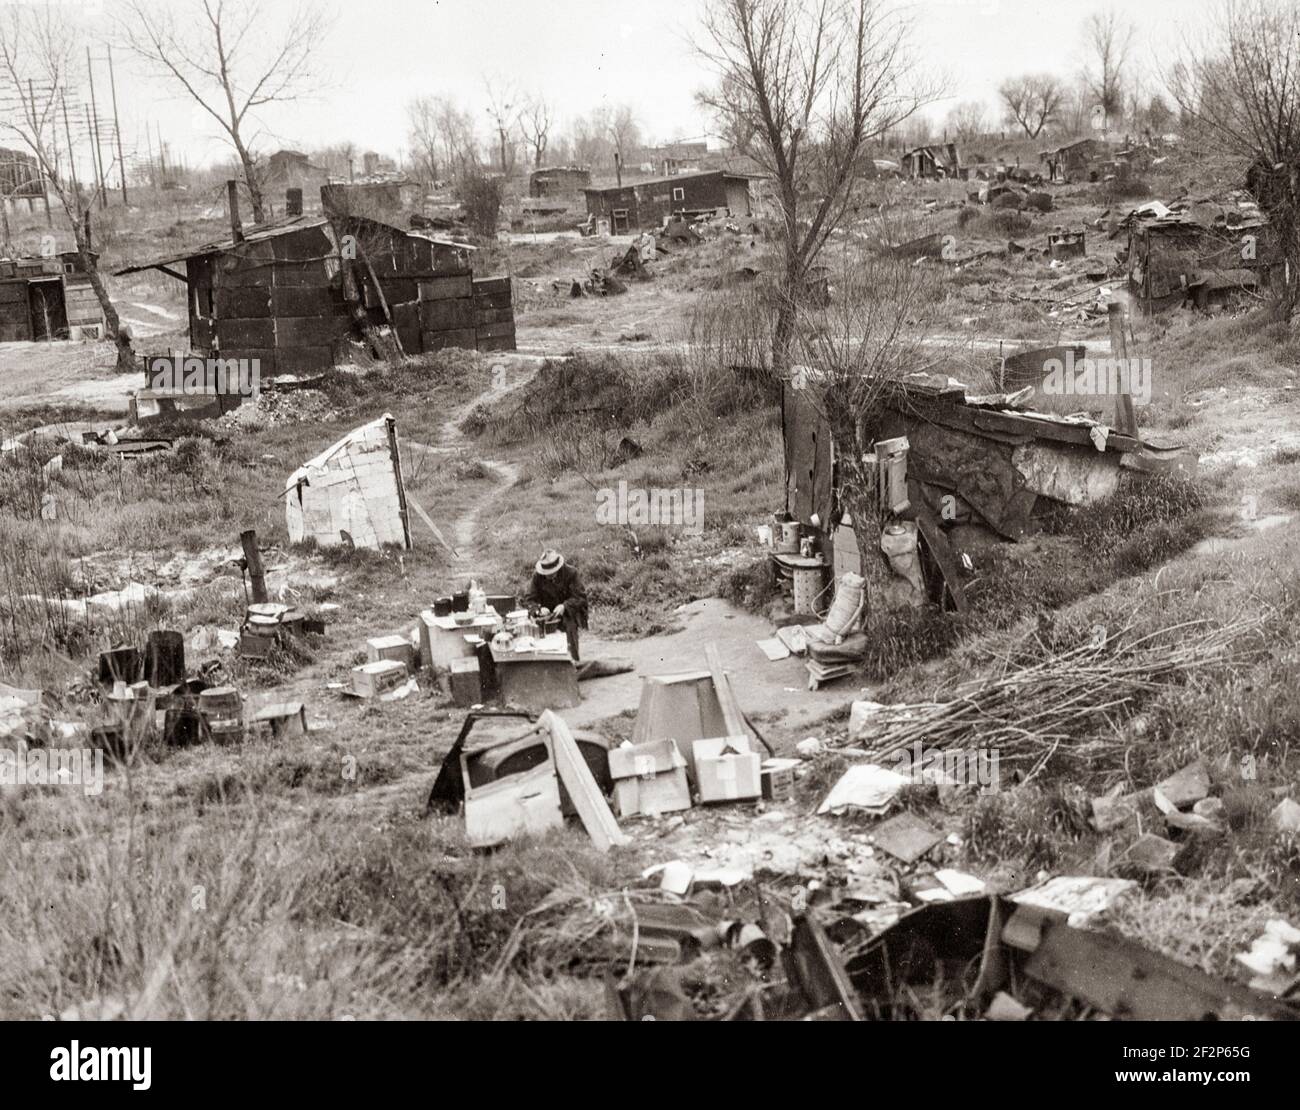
column 94, row 165
column 162, row 154
column 94, row 113
column 40, row 171
column 148, row 140
column 72, row 160
column 117, row 124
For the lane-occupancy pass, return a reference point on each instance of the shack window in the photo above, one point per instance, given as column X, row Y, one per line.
column 679, row 194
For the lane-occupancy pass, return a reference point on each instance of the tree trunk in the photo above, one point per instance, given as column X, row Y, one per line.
column 250, row 179
column 126, row 363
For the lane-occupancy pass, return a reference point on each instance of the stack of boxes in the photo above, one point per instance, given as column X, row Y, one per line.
column 456, row 311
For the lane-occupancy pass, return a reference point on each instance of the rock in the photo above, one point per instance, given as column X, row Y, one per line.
column 1285, row 816
column 1185, row 787
column 1152, row 854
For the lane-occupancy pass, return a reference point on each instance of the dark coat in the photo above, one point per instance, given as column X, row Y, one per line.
column 563, row 587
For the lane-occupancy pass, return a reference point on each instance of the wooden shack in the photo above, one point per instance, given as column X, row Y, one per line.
column 297, row 292
column 48, row 298
column 643, row 205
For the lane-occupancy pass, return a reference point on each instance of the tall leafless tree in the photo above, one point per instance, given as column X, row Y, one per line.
column 39, row 45
column 624, row 133
column 1032, row 101
column 504, row 108
column 967, row 119
column 442, row 137
column 535, row 124
column 1108, row 37
column 230, row 57
column 1238, row 91
column 817, row 80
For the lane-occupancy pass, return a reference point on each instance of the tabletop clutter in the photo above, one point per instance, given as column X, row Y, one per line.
column 479, row 648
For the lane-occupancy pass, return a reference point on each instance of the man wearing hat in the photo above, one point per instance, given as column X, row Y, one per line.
column 556, row 587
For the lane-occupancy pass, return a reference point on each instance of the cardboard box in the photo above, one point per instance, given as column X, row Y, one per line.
column 466, row 682
column 726, row 770
column 649, row 779
column 777, row 779
column 371, row 680
column 391, row 647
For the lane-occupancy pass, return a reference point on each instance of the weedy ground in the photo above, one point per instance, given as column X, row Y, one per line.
column 301, row 879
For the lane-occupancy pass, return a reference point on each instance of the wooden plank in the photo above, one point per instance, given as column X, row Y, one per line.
column 496, row 331
column 440, row 288
column 437, row 340
column 449, row 314
column 310, row 331
column 584, row 791
column 732, row 717
column 493, row 316
column 248, row 301
column 949, row 567
column 306, row 300
column 432, row 527
column 492, row 285
column 1123, row 979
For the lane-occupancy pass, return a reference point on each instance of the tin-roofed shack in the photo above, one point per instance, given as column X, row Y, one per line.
column 295, row 293
column 48, row 298
column 643, row 205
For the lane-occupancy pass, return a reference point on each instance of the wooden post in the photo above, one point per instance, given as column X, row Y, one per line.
column 1125, row 417
column 232, row 202
column 253, row 557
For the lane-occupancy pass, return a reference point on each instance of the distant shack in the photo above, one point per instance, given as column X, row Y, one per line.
column 48, row 298
column 643, row 205
column 558, row 182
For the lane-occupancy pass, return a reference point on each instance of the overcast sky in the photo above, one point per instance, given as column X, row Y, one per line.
column 581, row 53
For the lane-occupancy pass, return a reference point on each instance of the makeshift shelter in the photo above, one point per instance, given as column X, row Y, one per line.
column 351, row 491
column 1199, row 254
column 295, row 293
column 643, row 205
column 960, row 460
column 48, row 298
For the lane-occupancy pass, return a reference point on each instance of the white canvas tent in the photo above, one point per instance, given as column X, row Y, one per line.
column 353, row 487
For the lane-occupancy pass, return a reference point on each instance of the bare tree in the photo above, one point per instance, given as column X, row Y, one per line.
column 735, row 126
column 422, row 134
column 877, row 330
column 504, row 108
column 968, row 119
column 817, row 80
column 1109, row 38
column 38, row 48
column 1032, row 101
column 591, row 146
column 1238, row 92
column 226, row 56
column 624, row 133
column 535, row 124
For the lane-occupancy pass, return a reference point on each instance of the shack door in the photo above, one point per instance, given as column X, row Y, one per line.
column 49, row 312
column 619, row 221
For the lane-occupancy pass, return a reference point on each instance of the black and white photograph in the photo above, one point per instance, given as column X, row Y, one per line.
column 725, row 511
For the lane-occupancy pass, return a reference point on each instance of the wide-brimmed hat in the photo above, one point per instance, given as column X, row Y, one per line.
column 549, row 563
